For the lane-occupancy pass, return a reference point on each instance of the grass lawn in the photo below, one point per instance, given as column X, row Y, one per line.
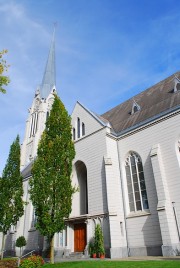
column 116, row 264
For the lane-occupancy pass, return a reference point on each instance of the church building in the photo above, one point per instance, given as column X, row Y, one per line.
column 127, row 168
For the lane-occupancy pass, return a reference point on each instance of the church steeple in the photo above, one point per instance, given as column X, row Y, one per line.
column 40, row 109
column 49, row 78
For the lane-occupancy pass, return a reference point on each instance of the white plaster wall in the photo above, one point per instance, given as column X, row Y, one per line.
column 30, row 144
column 115, row 200
column 91, row 124
column 91, row 151
column 144, row 230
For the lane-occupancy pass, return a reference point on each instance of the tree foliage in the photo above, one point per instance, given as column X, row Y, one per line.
column 50, row 187
column 4, row 80
column 11, row 190
column 99, row 240
column 20, row 242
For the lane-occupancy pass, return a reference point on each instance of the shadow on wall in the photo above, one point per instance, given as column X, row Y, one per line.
column 34, row 242
column 105, row 222
column 103, row 184
column 10, row 249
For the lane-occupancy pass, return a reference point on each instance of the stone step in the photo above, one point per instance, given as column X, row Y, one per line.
column 76, row 255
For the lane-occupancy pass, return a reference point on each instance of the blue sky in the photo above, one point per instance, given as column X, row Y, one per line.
column 106, row 52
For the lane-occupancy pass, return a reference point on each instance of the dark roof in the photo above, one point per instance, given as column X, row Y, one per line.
column 153, row 101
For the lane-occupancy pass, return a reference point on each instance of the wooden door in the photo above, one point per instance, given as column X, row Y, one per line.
column 79, row 237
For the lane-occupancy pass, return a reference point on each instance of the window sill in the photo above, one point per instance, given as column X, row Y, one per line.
column 138, row 214
column 32, row 229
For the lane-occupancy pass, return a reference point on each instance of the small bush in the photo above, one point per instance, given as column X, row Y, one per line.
column 32, row 262
column 20, row 242
column 8, row 263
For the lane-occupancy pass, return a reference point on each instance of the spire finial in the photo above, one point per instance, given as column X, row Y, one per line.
column 49, row 78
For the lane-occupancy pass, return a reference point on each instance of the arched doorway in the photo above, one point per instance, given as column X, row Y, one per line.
column 81, row 172
column 80, row 240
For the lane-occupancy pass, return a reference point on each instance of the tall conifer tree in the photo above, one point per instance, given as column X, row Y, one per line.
column 11, row 191
column 51, row 190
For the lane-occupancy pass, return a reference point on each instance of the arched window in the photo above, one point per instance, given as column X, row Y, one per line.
column 35, row 129
column 34, row 219
column 178, row 146
column 32, row 123
column 74, row 133
column 83, row 129
column 136, row 183
column 78, row 128
column 47, row 115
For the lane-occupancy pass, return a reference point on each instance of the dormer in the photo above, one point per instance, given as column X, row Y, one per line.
column 135, row 107
column 176, row 84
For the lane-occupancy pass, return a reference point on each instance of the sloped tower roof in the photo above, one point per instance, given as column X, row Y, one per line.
column 49, row 78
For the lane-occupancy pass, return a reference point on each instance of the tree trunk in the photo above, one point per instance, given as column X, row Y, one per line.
column 52, row 250
column 2, row 247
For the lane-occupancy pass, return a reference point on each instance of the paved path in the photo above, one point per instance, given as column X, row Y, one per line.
column 149, row 258
column 143, row 258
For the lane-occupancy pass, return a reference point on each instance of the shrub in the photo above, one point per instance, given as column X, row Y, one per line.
column 8, row 263
column 20, row 242
column 32, row 262
column 99, row 240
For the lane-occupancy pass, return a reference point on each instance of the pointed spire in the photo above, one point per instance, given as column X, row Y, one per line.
column 49, row 78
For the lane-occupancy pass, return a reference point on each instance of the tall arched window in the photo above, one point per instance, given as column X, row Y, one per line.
column 47, row 115
column 136, row 183
column 74, row 133
column 78, row 128
column 83, row 129
column 34, row 219
column 34, row 124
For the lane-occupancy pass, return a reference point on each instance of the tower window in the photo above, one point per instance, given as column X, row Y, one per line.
column 47, row 115
column 83, row 129
column 78, row 128
column 34, row 124
column 136, row 183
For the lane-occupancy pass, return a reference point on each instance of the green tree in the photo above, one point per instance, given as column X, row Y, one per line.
column 99, row 240
column 20, row 242
column 50, row 186
column 4, row 80
column 11, row 192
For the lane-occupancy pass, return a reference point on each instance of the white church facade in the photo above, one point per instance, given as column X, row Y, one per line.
column 127, row 168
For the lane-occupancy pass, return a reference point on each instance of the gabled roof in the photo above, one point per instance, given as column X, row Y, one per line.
column 156, row 100
column 98, row 118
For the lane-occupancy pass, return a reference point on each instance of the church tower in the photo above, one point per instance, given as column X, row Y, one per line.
column 40, row 109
